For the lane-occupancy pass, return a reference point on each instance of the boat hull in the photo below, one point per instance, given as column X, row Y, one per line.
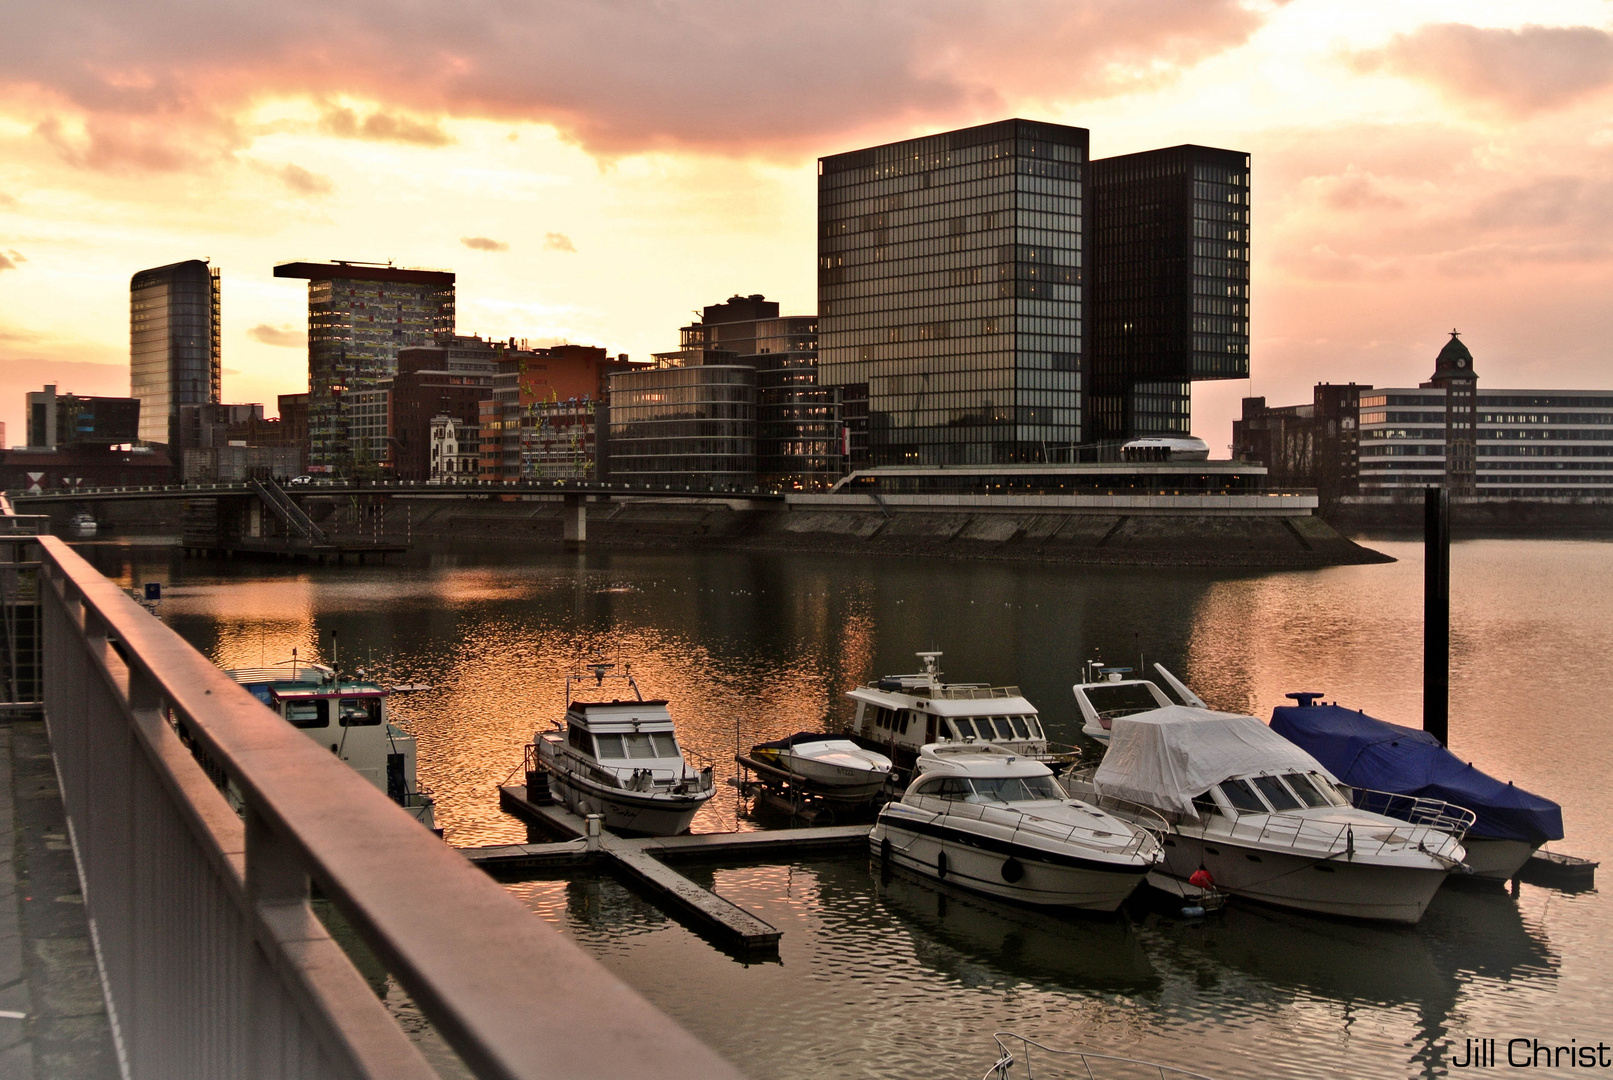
column 628, row 811
column 1341, row 886
column 838, row 781
column 1496, row 860
column 968, row 865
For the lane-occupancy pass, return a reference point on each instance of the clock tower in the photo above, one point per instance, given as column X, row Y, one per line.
column 1453, row 373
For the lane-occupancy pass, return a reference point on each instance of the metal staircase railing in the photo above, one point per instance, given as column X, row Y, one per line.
column 288, row 511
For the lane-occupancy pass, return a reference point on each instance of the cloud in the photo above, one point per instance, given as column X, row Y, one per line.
column 483, row 243
column 286, row 337
column 7, row 201
column 303, row 182
column 1518, row 72
column 558, row 241
column 383, row 127
column 7, row 264
column 129, row 84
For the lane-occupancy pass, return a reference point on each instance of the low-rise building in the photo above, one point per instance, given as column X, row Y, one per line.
column 72, row 420
column 455, row 449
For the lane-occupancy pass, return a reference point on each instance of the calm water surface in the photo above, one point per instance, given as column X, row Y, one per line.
column 894, row 978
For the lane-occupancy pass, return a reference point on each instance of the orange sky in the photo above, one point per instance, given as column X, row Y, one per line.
column 596, row 171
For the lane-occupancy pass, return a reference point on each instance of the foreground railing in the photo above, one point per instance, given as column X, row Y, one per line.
column 213, row 962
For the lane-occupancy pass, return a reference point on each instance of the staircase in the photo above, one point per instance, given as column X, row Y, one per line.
column 296, row 521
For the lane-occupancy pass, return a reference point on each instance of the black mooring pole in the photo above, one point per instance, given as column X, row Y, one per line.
column 1437, row 614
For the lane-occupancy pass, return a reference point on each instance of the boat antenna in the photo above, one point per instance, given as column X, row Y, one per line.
column 294, row 663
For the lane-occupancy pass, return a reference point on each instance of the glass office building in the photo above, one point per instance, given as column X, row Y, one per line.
column 1169, row 288
column 950, row 295
column 687, row 425
column 175, row 349
column 359, row 316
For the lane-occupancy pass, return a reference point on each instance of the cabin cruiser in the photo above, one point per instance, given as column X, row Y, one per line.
column 1509, row 822
column 899, row 714
column 351, row 718
column 1267, row 822
column 83, row 523
column 620, row 759
column 828, row 765
column 986, row 819
column 1106, row 694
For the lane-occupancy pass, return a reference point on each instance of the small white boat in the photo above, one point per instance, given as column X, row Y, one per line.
column 828, row 765
column 995, row 822
column 898, row 714
column 1106, row 694
column 621, row 759
column 83, row 524
column 1267, row 822
column 351, row 718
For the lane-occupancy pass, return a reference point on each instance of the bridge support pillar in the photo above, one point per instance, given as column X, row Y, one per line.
column 575, row 520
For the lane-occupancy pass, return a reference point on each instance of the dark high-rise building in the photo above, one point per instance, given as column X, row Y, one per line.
column 1169, row 286
column 175, row 351
column 359, row 316
column 950, row 294
column 449, row 377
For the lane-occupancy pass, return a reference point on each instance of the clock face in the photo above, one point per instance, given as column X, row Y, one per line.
column 1461, row 363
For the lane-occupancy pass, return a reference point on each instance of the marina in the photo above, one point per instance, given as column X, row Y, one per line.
column 488, row 633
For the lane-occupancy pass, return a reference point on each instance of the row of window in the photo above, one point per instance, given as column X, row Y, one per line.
column 872, row 248
column 1010, row 197
column 942, row 287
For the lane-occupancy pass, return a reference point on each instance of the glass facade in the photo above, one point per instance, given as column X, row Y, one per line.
column 950, row 294
column 359, row 316
column 1170, row 285
column 694, row 424
column 175, row 348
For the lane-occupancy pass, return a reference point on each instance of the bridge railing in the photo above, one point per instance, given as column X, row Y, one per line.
column 213, row 961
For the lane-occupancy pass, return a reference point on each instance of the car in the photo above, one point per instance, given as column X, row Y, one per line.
column 303, row 479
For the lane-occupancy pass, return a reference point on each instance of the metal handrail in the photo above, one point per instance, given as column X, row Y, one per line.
column 1006, row 1060
column 977, row 811
column 135, row 713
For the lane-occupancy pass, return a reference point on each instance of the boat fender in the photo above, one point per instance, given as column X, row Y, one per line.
column 941, row 864
column 1012, row 871
column 1192, row 911
column 885, row 850
column 1202, row 879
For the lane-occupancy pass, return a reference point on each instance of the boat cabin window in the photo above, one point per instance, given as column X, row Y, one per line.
column 1206, row 805
column 1035, row 727
column 1015, row 789
column 1018, row 724
column 309, row 714
column 1276, row 794
column 891, row 719
column 1330, row 794
column 1242, row 796
column 946, row 787
column 637, row 745
column 360, row 711
column 1307, row 791
column 579, row 740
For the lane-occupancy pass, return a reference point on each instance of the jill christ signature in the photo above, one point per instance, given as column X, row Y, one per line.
column 1531, row 1054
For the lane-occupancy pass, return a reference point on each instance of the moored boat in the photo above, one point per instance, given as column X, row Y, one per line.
column 621, row 759
column 351, row 717
column 825, row 764
column 998, row 823
column 898, row 714
column 1373, row 755
column 1267, row 822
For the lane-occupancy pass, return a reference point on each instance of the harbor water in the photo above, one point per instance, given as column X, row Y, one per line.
column 892, row 976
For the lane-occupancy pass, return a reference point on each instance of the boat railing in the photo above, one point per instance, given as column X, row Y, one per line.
column 1337, row 838
column 1145, row 817
column 1141, row 837
column 960, row 692
column 1415, row 810
column 1073, row 1062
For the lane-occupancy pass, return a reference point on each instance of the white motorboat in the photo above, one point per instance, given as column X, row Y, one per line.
column 352, row 719
column 1107, row 694
column 621, row 759
column 998, row 823
column 83, row 524
column 898, row 714
column 1267, row 822
column 825, row 764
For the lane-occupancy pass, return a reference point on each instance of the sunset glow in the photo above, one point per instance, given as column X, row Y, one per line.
column 595, row 172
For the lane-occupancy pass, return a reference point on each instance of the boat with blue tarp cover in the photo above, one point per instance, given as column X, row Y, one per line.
column 1367, row 753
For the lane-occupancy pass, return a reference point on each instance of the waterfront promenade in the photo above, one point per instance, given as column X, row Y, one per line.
column 53, row 1022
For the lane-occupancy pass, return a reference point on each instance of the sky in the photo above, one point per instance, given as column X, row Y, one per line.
column 595, row 171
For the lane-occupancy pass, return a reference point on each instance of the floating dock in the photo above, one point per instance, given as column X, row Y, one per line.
column 643, row 861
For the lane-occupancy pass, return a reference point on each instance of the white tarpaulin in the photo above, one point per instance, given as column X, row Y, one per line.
column 1166, row 757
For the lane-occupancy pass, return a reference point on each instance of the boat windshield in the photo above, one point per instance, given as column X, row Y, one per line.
column 995, row 728
column 1242, row 796
column 1120, row 699
column 1313, row 790
column 313, row 713
column 637, row 744
column 1015, row 789
column 1276, row 794
column 360, row 711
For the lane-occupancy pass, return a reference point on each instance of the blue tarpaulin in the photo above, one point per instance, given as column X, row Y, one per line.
column 1368, row 753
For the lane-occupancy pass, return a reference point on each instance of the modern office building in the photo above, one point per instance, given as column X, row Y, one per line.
column 545, row 418
column 1484, row 444
column 1169, row 286
column 447, row 378
column 950, row 278
column 689, row 424
column 175, row 347
column 799, row 433
column 71, row 420
column 359, row 316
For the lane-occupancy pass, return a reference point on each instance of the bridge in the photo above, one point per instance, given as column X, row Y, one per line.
column 270, row 517
column 200, row 823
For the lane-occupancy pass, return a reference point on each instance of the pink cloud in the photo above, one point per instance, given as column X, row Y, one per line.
column 153, row 89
